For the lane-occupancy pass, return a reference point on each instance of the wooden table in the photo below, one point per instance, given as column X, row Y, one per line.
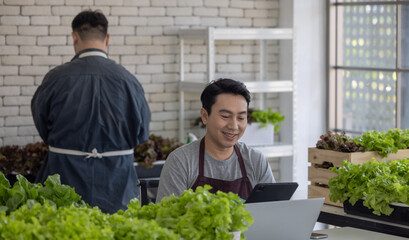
column 336, row 216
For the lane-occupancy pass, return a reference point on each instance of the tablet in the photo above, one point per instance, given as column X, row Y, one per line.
column 268, row 192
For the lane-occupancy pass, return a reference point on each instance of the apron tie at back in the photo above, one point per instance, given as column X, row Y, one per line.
column 93, row 154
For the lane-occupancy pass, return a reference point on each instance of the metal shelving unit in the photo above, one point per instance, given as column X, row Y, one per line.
column 260, row 85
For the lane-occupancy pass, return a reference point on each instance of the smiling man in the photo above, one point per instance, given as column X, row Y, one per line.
column 218, row 159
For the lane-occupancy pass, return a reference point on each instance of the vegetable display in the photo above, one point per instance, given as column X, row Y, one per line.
column 266, row 117
column 55, row 211
column 378, row 184
column 197, row 214
column 381, row 142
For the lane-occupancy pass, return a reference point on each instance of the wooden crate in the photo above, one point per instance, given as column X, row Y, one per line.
column 319, row 175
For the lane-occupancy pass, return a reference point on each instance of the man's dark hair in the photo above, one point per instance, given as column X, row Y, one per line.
column 223, row 85
column 90, row 25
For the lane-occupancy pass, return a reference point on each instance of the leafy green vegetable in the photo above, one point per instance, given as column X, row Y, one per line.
column 379, row 184
column 268, row 117
column 72, row 222
column 197, row 214
column 23, row 191
column 338, row 142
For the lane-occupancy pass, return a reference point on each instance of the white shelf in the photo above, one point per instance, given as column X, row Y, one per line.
column 210, row 35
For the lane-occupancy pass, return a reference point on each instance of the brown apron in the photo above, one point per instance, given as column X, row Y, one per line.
column 240, row 186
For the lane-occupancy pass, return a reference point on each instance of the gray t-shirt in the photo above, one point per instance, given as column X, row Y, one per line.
column 181, row 168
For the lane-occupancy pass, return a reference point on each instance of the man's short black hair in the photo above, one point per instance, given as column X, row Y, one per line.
column 223, row 85
column 90, row 25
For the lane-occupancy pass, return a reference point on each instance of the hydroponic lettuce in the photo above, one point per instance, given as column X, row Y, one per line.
column 197, row 214
column 11, row 198
column 381, row 142
column 379, row 184
column 36, row 221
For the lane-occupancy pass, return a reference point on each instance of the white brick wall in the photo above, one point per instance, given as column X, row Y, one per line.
column 35, row 37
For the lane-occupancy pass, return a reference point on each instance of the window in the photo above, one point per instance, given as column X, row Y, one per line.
column 368, row 65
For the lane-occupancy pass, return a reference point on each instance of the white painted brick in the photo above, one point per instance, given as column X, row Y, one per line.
column 8, row 29
column 20, row 40
column 190, row 3
column 152, row 11
column 29, row 90
column 259, row 13
column 130, row 68
column 19, row 141
column 65, row 10
column 206, row 12
column 231, row 12
column 52, row 2
column 47, row 60
column 33, row 70
column 149, row 49
column 229, row 68
column 62, row 50
column 242, row 4
column 8, row 70
column 154, row 59
column 33, row 50
column 171, row 68
column 8, row 50
column 156, row 126
column 65, row 20
column 8, row 111
column 193, row 58
column 163, row 116
column 172, row 86
column 19, row 2
column 165, row 40
column 27, row 131
column 199, row 67
column 2, row 122
column 149, row 31
column 138, row 40
column 134, row 59
column 178, row 11
column 184, row 21
column 249, row 67
column 160, row 21
column 264, row 22
column 239, row 22
column 19, row 121
column 141, row 3
column 171, row 125
column 9, row 10
column 45, row 20
column 52, row 40
column 216, row 3
column 36, row 10
column 60, row 30
column 133, row 21
column 107, row 3
column 8, row 131
column 9, row 91
column 16, row 60
column 156, row 107
column 220, row 58
column 172, row 106
column 195, row 77
column 161, row 3
column 232, row 49
column 15, row 20
column 32, row 30
column 121, row 30
column 151, row 68
column 266, row 4
column 113, row 57
column 240, row 58
column 154, row 88
column 78, row 2
column 125, row 11
column 214, row 22
column 199, row 49
column 165, row 78
column 125, row 50
column 2, row 40
column 25, row 110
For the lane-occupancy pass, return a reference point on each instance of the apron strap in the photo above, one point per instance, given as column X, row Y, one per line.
column 94, row 153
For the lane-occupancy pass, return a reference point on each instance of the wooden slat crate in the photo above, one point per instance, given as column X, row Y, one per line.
column 320, row 159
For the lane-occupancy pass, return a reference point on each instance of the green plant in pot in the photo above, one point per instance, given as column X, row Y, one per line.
column 265, row 117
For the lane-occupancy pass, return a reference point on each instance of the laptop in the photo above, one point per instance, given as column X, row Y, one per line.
column 289, row 220
column 267, row 192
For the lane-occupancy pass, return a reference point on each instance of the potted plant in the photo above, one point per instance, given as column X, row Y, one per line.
column 261, row 127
